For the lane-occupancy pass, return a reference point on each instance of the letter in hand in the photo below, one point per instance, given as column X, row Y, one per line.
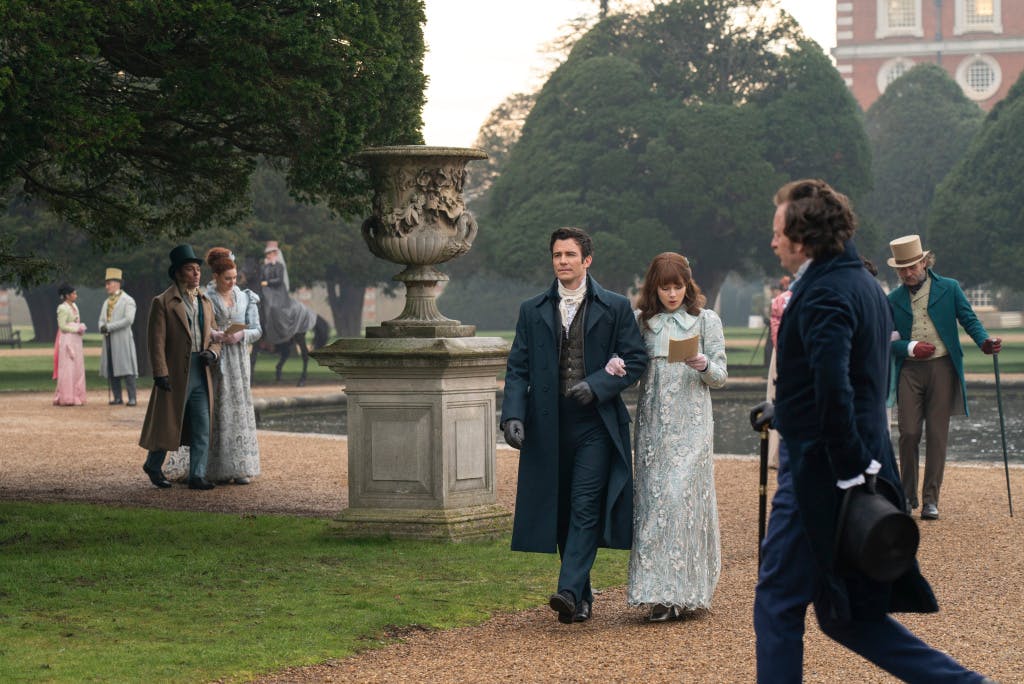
column 208, row 357
column 762, row 416
column 992, row 345
column 581, row 392
column 923, row 350
column 514, row 433
column 163, row 382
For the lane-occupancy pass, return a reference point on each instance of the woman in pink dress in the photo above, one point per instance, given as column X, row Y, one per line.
column 68, row 359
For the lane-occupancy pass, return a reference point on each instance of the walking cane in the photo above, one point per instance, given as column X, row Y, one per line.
column 762, row 492
column 1002, row 431
column 110, row 367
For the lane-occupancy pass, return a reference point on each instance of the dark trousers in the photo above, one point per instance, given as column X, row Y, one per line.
column 585, row 453
column 927, row 391
column 129, row 383
column 788, row 582
column 197, row 417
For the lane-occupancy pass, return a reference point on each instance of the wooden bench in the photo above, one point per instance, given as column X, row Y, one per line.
column 10, row 336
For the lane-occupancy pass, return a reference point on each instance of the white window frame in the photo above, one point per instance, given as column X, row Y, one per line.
column 883, row 30
column 883, row 80
column 960, row 26
column 961, row 77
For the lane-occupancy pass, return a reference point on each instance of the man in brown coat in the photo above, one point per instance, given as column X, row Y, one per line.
column 180, row 353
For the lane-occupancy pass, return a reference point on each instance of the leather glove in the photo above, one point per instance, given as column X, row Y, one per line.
column 581, row 392
column 103, row 328
column 208, row 358
column 762, row 416
column 514, row 433
column 923, row 350
column 698, row 363
column 163, row 382
column 615, row 366
column 992, row 345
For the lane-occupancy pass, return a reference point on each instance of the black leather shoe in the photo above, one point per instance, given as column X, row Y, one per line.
column 565, row 604
column 156, row 476
column 115, row 402
column 131, row 402
column 582, row 613
column 200, row 483
column 660, row 612
column 929, row 512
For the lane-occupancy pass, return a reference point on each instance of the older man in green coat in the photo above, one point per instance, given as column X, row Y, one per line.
column 565, row 414
column 929, row 364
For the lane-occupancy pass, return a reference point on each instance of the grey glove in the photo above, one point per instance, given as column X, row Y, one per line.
column 762, row 416
column 103, row 328
column 163, row 382
column 208, row 358
column 514, row 433
column 581, row 392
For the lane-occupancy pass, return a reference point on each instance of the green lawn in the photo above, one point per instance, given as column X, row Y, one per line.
column 91, row 593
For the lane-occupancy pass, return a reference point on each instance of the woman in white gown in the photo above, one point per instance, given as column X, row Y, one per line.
column 234, row 450
column 676, row 557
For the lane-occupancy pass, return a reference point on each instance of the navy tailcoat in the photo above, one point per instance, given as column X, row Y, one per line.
column 531, row 395
column 833, row 370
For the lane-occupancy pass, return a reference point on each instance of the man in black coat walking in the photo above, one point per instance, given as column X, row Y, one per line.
column 833, row 365
column 563, row 411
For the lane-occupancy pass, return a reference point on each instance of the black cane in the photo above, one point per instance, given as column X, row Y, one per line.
column 110, row 366
column 1002, row 431
column 762, row 492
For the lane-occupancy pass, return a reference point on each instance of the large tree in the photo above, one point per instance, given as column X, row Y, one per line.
column 140, row 120
column 976, row 225
column 669, row 131
column 918, row 129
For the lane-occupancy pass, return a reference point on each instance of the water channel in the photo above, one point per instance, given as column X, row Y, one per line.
column 971, row 438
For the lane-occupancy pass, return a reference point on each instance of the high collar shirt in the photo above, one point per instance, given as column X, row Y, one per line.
column 678, row 325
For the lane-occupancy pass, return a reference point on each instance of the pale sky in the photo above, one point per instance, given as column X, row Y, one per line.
column 481, row 51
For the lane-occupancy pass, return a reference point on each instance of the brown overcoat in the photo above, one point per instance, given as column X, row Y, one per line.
column 170, row 347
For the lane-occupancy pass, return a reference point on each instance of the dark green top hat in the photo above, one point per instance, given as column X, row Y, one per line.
column 181, row 255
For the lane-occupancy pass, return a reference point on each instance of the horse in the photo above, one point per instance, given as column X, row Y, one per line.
column 285, row 349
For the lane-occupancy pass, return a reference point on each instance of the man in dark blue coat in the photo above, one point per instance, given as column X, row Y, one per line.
column 564, row 413
column 833, row 365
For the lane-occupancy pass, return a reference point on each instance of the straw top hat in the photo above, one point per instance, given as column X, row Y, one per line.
column 181, row 255
column 271, row 247
column 113, row 274
column 906, row 251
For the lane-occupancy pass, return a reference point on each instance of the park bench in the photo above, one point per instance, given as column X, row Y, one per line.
column 10, row 336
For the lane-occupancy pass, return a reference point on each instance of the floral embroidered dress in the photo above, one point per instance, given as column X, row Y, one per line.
column 676, row 556
column 69, row 361
column 234, row 450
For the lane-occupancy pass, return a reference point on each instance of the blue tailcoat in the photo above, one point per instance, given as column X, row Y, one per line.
column 531, row 395
column 833, row 369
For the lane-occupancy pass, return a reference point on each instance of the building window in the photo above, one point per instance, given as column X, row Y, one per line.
column 979, row 76
column 899, row 18
column 974, row 16
column 892, row 70
column 979, row 297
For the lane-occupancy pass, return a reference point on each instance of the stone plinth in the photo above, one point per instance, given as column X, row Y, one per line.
column 421, row 436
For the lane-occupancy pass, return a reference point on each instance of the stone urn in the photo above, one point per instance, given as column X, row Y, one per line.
column 419, row 220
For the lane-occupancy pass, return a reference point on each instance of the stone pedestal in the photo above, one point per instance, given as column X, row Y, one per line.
column 421, row 436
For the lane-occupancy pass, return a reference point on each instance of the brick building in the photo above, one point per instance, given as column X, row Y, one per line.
column 979, row 42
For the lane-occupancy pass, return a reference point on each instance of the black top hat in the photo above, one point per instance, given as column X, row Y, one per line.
column 181, row 255
column 875, row 536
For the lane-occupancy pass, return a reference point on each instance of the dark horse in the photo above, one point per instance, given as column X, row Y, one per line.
column 284, row 349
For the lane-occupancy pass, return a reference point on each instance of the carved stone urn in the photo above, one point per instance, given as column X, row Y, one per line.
column 419, row 219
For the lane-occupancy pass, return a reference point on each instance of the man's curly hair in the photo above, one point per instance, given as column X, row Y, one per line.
column 817, row 217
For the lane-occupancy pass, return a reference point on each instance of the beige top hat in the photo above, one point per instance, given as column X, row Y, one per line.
column 271, row 247
column 113, row 274
column 906, row 251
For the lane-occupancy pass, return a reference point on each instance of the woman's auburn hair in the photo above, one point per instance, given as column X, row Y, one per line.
column 668, row 268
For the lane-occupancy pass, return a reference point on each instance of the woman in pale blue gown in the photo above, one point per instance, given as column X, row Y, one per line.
column 676, row 557
column 234, row 451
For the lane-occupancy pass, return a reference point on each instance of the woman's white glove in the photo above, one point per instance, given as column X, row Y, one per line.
column 615, row 366
column 698, row 363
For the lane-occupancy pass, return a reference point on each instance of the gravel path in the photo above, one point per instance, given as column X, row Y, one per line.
column 974, row 558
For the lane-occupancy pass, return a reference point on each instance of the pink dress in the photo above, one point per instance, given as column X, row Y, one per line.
column 69, row 361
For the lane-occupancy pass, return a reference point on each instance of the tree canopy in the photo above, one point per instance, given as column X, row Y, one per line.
column 671, row 130
column 140, row 120
column 977, row 219
column 918, row 129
